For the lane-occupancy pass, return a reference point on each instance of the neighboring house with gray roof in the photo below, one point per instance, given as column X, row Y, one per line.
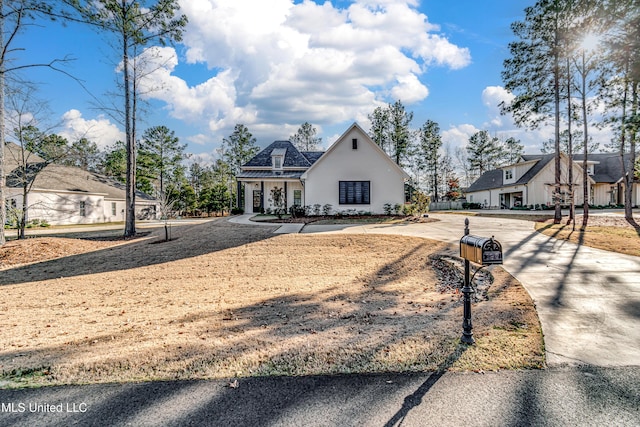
column 64, row 195
column 353, row 174
column 531, row 182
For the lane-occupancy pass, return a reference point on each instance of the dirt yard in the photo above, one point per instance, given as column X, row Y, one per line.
column 223, row 300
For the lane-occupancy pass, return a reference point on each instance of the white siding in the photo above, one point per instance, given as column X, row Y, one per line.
column 343, row 163
column 539, row 190
column 61, row 208
column 58, row 208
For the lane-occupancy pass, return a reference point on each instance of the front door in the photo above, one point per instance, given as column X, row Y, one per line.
column 257, row 201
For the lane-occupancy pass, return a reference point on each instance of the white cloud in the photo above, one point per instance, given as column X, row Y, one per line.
column 492, row 97
column 99, row 130
column 276, row 63
column 458, row 136
column 409, row 89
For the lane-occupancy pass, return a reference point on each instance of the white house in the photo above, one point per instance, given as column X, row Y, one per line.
column 531, row 182
column 353, row 174
column 64, row 195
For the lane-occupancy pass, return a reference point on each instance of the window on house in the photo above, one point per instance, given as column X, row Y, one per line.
column 83, row 208
column 508, row 174
column 277, row 162
column 113, row 208
column 297, row 197
column 355, row 192
column 354, row 143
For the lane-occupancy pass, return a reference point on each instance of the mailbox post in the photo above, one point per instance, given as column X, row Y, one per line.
column 467, row 326
column 479, row 250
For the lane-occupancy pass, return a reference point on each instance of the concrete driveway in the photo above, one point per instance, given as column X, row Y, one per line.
column 588, row 300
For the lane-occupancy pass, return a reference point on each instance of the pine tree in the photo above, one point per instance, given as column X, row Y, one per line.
column 484, row 152
column 533, row 73
column 512, row 149
column 133, row 24
column 305, row 138
column 163, row 154
column 428, row 153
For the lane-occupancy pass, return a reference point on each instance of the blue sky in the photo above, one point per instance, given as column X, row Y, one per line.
column 273, row 64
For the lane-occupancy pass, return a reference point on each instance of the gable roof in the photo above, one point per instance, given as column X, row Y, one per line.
column 13, row 157
column 487, row 181
column 292, row 157
column 542, row 161
column 58, row 178
column 369, row 140
column 607, row 169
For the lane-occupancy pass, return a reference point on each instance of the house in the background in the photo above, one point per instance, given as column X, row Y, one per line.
column 62, row 195
column 531, row 182
column 353, row 174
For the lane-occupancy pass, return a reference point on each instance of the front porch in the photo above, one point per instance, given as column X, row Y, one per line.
column 258, row 194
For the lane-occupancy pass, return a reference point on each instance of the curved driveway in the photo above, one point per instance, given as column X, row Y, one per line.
column 588, row 300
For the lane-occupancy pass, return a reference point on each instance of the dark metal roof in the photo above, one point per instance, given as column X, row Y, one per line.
column 270, row 174
column 292, row 158
column 312, row 156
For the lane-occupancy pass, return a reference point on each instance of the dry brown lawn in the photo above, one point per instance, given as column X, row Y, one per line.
column 603, row 232
column 224, row 300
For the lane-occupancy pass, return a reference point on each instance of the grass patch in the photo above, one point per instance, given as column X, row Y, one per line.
column 621, row 239
column 225, row 301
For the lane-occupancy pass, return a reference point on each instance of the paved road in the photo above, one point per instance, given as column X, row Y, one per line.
column 588, row 300
column 556, row 397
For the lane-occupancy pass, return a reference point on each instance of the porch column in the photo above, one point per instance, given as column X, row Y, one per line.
column 285, row 196
column 239, row 195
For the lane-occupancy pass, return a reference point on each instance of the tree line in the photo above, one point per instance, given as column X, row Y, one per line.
column 575, row 64
column 433, row 167
column 130, row 25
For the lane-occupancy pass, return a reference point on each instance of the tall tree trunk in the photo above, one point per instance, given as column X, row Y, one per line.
column 628, row 190
column 628, row 214
column 557, row 218
column 130, row 217
column 3, row 207
column 570, row 148
column 23, row 214
column 585, row 165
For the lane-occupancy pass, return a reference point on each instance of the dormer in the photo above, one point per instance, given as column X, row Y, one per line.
column 277, row 158
column 509, row 176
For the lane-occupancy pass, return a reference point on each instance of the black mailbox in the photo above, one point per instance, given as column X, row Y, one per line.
column 481, row 250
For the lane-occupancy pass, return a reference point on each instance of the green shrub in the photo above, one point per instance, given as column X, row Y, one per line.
column 297, row 211
column 409, row 209
column 471, row 205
